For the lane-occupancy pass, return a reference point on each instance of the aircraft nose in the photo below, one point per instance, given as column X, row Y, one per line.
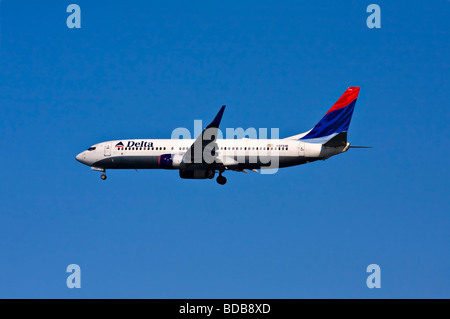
column 80, row 157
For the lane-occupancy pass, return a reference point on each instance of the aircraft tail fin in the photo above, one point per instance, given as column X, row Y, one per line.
column 336, row 121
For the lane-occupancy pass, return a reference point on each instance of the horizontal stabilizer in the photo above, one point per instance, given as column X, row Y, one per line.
column 360, row 146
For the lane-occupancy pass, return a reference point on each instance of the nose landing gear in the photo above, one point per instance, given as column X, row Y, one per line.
column 221, row 179
column 100, row 169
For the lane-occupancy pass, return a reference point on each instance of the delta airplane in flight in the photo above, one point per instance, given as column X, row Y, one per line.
column 207, row 155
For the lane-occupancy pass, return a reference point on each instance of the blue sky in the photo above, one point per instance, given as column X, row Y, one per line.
column 140, row 69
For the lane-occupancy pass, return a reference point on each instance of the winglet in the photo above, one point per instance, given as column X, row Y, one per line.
column 195, row 153
column 218, row 118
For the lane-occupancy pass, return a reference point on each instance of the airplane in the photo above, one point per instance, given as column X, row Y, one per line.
column 207, row 155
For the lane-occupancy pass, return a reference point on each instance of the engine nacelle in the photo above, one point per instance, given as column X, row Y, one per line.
column 170, row 161
column 197, row 173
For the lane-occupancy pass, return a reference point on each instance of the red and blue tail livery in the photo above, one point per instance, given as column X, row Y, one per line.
column 336, row 120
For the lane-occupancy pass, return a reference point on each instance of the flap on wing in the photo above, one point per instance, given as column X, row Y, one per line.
column 227, row 161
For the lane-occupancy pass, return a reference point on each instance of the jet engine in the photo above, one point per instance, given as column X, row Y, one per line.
column 202, row 173
column 170, row 161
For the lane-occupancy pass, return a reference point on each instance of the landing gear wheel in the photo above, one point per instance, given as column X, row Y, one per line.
column 103, row 177
column 221, row 180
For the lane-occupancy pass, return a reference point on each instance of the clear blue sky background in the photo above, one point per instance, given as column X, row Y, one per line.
column 140, row 69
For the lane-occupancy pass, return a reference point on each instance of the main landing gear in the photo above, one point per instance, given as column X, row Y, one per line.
column 221, row 179
column 103, row 176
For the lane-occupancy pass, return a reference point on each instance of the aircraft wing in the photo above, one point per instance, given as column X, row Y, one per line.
column 203, row 150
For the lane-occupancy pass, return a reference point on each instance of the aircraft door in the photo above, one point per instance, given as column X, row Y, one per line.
column 301, row 149
column 108, row 149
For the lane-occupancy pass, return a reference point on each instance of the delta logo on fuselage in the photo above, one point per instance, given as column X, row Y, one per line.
column 135, row 144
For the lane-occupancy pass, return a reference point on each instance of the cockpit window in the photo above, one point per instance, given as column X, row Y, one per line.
column 91, row 148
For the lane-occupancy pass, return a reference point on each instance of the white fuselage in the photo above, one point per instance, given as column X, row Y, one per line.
column 230, row 153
